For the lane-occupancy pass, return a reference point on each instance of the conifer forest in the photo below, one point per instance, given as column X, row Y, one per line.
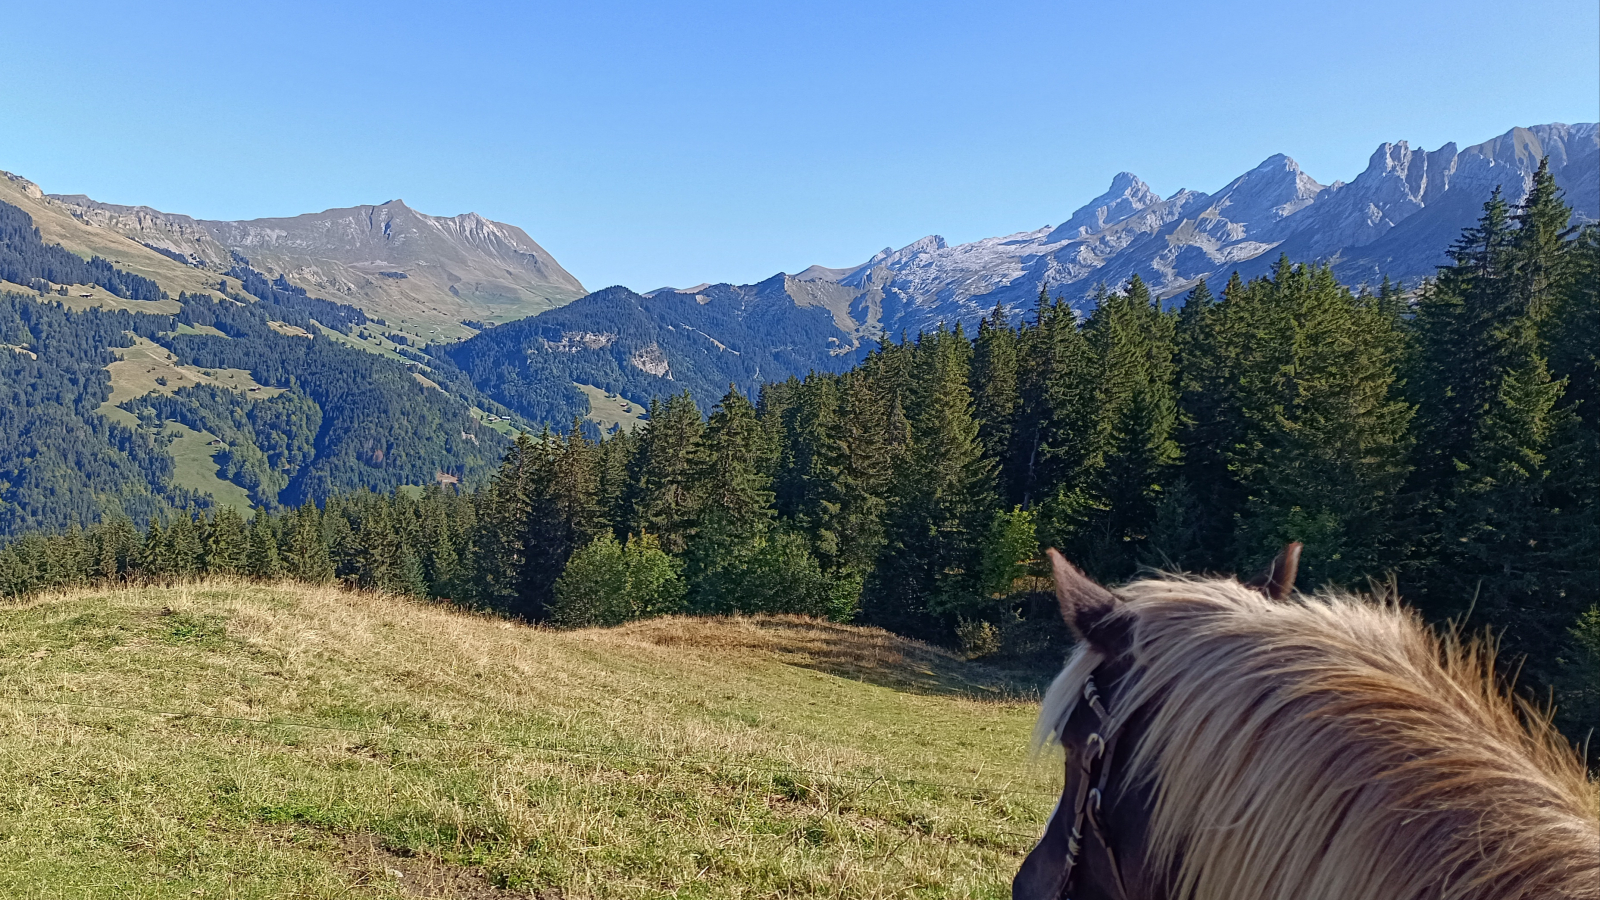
column 1437, row 441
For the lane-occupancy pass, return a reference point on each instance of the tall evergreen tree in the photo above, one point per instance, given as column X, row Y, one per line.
column 1492, row 425
column 1322, row 449
column 505, row 507
column 996, row 396
column 859, row 465
column 660, row 500
column 732, row 502
column 565, row 515
column 1106, row 510
column 185, row 554
column 1056, row 392
column 226, row 543
column 929, row 573
column 261, row 558
column 304, row 550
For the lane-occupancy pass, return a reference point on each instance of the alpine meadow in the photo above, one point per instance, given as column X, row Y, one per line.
column 368, row 553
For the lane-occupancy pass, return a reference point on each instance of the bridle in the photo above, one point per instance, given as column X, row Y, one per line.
column 1094, row 768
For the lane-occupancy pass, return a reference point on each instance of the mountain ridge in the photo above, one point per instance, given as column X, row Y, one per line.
column 388, row 259
column 1273, row 208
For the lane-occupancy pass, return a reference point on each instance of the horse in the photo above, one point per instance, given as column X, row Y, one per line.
column 1231, row 740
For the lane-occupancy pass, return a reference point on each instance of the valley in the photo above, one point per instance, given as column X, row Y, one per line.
column 476, row 315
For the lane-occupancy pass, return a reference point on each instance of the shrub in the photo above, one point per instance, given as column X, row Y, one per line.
column 978, row 638
column 775, row 573
column 608, row 583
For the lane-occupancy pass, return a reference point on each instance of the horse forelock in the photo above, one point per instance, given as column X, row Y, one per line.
column 1332, row 747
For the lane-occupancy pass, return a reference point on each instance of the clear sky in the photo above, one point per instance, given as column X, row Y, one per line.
column 653, row 144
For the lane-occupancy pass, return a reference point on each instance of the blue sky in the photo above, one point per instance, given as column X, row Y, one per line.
column 650, row 144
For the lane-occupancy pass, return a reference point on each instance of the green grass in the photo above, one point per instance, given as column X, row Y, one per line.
column 227, row 739
column 193, row 466
column 609, row 410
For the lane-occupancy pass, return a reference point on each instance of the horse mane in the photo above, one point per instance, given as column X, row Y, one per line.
column 1330, row 747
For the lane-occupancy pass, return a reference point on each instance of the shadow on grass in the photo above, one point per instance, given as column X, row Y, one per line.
column 870, row 655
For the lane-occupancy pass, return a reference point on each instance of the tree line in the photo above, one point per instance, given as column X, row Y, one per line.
column 27, row 260
column 1445, row 439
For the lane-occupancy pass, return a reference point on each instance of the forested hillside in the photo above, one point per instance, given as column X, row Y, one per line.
column 318, row 416
column 644, row 347
column 1448, row 440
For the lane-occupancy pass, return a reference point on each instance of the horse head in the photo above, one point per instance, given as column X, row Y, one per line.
column 1231, row 740
column 1094, row 843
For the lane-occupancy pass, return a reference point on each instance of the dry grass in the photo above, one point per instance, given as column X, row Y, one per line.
column 146, row 751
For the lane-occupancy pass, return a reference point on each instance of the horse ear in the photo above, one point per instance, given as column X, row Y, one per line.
column 1277, row 579
column 1084, row 604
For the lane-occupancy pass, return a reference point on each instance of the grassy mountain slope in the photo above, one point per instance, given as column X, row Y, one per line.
column 150, row 753
column 422, row 274
column 57, row 226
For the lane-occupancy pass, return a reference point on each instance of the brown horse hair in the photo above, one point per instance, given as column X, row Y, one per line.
column 1334, row 747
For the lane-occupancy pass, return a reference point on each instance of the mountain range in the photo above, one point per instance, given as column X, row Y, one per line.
column 483, row 300
column 1396, row 219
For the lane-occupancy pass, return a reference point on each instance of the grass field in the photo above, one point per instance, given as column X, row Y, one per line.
column 232, row 740
column 608, row 410
column 193, row 467
column 142, row 369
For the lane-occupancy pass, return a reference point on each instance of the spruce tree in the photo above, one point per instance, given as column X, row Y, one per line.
column 185, row 555
column 1492, row 426
column 1322, row 449
column 153, row 556
column 226, row 543
column 504, row 509
column 116, row 548
column 565, row 515
column 304, row 550
column 1056, row 394
column 732, row 503
column 859, row 464
column 929, row 572
column 261, row 560
column 660, row 500
column 1104, row 512
column 995, row 393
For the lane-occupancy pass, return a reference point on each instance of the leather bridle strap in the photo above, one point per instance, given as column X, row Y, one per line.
column 1086, row 803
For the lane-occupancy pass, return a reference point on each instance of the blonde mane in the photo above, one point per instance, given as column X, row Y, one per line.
column 1333, row 747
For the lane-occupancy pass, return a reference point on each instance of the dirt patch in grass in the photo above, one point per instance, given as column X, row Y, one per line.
column 369, row 862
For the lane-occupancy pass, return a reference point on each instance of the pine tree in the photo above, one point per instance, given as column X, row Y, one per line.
column 153, row 556
column 1106, row 510
column 184, row 551
column 226, row 543
column 304, row 549
column 565, row 515
column 116, row 548
column 1056, row 391
column 261, row 559
column 859, row 463
column 1492, row 425
column 503, row 509
column 995, row 393
column 1324, row 446
column 659, row 498
column 929, row 573
column 732, row 501
column 809, row 427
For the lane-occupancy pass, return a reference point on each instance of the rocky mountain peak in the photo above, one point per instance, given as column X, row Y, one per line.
column 1126, row 196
